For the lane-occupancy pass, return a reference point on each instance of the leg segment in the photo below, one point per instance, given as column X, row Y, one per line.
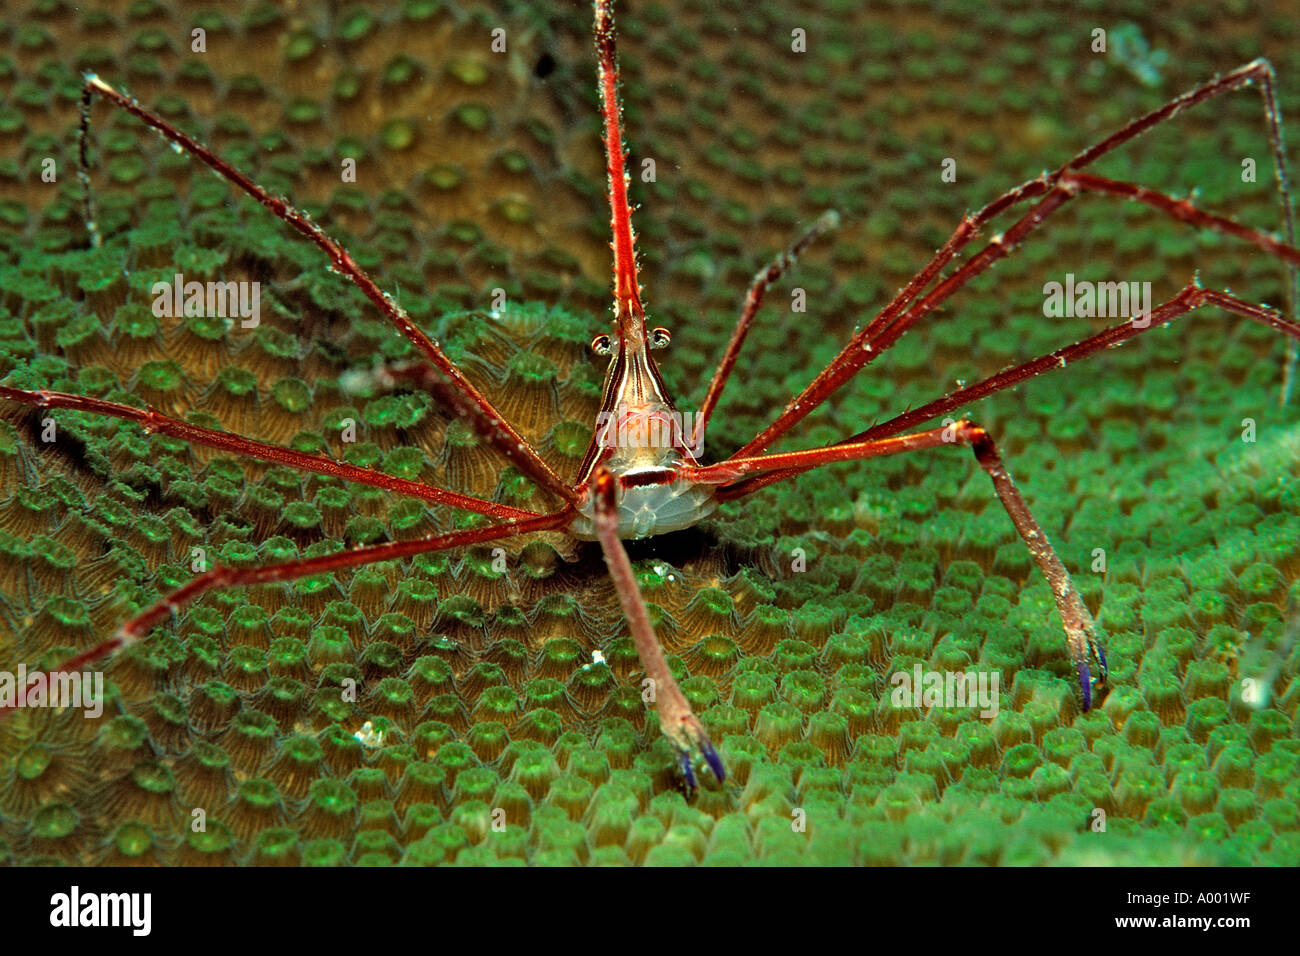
column 1080, row 632
column 678, row 722
column 1053, row 190
column 753, row 300
column 469, row 402
column 152, row 421
column 220, row 578
column 1192, row 297
column 628, row 311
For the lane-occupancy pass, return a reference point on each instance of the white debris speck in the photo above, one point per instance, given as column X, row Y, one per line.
column 369, row 736
column 662, row 571
column 356, row 380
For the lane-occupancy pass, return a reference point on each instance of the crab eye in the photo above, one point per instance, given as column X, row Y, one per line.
column 659, row 338
column 600, row 344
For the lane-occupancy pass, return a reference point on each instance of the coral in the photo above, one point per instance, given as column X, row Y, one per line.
column 479, row 693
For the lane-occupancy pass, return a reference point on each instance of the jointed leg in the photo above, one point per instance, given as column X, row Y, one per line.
column 220, row 578
column 467, row 401
column 1080, row 633
column 753, row 300
column 1191, row 297
column 628, row 311
column 152, row 421
column 1055, row 189
column 679, row 723
column 878, row 337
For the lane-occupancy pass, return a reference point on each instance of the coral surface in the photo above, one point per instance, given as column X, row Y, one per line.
column 488, row 697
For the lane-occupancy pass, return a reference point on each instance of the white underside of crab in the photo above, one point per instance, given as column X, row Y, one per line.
column 648, row 510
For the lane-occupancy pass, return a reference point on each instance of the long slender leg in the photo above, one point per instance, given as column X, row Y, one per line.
column 468, row 402
column 679, row 723
column 152, row 422
column 629, row 314
column 1191, row 297
column 847, row 364
column 1055, row 188
column 763, row 279
column 220, row 578
column 1080, row 632
column 83, row 164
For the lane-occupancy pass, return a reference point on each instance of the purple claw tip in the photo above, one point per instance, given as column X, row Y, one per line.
column 714, row 761
column 1085, row 681
column 688, row 770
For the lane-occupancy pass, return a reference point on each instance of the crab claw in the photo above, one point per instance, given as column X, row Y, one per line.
column 691, row 742
column 713, row 760
column 1086, row 681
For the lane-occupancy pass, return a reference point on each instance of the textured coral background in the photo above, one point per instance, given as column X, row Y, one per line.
column 479, row 171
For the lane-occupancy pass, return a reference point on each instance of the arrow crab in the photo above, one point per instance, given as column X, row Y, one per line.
column 641, row 475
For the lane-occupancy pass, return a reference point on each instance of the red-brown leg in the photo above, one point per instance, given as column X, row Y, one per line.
column 679, row 723
column 1192, row 297
column 1055, row 189
column 763, row 280
column 153, row 421
column 220, row 578
column 629, row 314
column 468, row 401
column 742, row 476
column 1080, row 632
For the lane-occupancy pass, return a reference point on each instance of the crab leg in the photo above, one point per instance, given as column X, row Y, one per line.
column 679, row 723
column 220, row 578
column 467, row 401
